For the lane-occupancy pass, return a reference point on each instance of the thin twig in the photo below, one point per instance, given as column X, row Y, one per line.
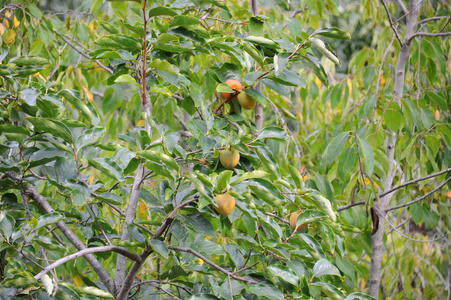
column 206, row 260
column 82, row 53
column 429, row 34
column 401, row 233
column 391, row 22
column 420, row 198
column 123, row 251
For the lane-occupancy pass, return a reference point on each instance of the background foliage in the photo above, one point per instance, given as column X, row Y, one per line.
column 77, row 134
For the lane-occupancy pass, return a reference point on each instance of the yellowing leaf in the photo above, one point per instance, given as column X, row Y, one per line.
column 16, row 22
column 91, row 180
column 87, row 93
column 366, row 181
column 349, row 83
column 10, row 37
column 199, row 261
column 141, row 123
column 78, row 281
column 8, row 14
column 142, row 208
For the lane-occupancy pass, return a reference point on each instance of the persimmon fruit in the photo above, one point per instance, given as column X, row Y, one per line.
column 245, row 101
column 234, row 85
column 293, row 219
column 229, row 158
column 225, row 204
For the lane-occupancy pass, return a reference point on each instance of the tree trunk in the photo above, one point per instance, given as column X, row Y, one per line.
column 382, row 205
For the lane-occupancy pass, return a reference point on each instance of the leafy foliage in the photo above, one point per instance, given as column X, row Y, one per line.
column 79, row 134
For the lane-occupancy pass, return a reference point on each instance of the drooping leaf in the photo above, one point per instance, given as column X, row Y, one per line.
column 52, row 127
column 324, row 267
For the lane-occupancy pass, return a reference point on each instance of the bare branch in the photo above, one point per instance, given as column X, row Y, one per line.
column 401, row 233
column 206, row 260
column 415, row 181
column 403, row 7
column 431, row 19
column 82, row 53
column 152, row 282
column 429, row 34
column 420, row 198
column 391, row 22
column 83, row 252
column 352, row 204
column 71, row 236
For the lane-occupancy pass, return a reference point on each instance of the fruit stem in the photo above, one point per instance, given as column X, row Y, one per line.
column 224, row 102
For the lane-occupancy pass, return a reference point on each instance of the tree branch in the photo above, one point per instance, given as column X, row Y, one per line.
column 431, row 19
column 429, row 34
column 83, row 252
column 420, row 198
column 127, row 283
column 415, row 181
column 391, row 22
column 82, row 53
column 71, row 236
column 352, row 204
column 206, row 260
column 405, row 236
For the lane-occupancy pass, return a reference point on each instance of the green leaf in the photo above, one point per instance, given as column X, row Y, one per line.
column 163, row 66
column 224, row 88
column 360, row 296
column 161, row 11
column 54, row 128
column 394, row 119
column 273, row 132
column 309, row 216
column 258, row 40
column 257, row 96
column 108, row 167
column 6, row 224
column 325, row 205
column 335, row 146
column 29, row 61
column 20, row 279
column 347, row 161
column 183, row 21
column 160, row 247
column 249, row 175
column 223, row 180
column 331, row 291
column 324, row 267
column 265, row 291
column 317, row 67
column 125, row 78
column 119, row 41
column 48, row 219
column 89, row 137
column 13, row 129
column 160, row 158
column 333, row 33
column 284, row 273
column 72, row 97
column 368, row 155
column 236, row 255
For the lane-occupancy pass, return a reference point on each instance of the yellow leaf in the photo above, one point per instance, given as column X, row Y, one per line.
column 349, row 83
column 87, row 93
column 2, row 29
column 91, row 180
column 141, row 123
column 199, row 261
column 375, row 185
column 366, row 181
column 142, row 209
column 16, row 22
column 39, row 75
column 78, row 281
column 8, row 14
column 10, row 37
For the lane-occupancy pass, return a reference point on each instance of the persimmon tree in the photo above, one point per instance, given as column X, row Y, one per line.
column 114, row 117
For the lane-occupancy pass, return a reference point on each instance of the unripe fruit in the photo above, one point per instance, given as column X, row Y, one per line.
column 293, row 218
column 234, row 85
column 229, row 158
column 225, row 204
column 245, row 101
